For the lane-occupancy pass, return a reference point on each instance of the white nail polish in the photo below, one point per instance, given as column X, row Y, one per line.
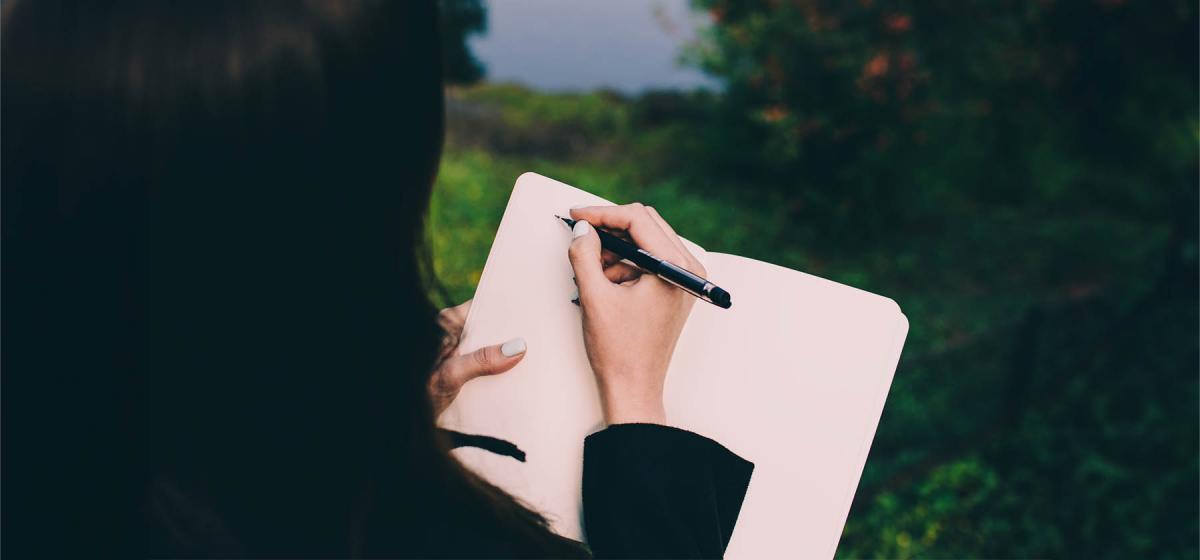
column 581, row 228
column 513, row 347
column 575, row 294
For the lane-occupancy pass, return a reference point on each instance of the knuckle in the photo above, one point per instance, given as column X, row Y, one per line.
column 482, row 357
column 449, row 343
column 637, row 205
column 436, row 384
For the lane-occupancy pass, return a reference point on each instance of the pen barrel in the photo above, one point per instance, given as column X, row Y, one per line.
column 682, row 278
column 628, row 251
column 647, row 261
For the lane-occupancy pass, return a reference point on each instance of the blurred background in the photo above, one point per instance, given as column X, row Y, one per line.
column 1020, row 175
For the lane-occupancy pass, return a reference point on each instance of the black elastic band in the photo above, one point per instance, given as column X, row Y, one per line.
column 487, row 443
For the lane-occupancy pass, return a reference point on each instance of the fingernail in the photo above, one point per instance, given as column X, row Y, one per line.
column 578, row 206
column 581, row 228
column 575, row 294
column 513, row 347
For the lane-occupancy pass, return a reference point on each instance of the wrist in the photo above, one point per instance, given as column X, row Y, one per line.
column 633, row 407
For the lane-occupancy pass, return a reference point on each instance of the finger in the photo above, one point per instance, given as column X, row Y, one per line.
column 693, row 264
column 452, row 318
column 658, row 219
column 620, row 233
column 488, row 360
column 609, row 258
column 585, row 259
column 633, row 218
column 622, row 272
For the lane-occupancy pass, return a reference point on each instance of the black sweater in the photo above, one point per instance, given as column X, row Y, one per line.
column 649, row 491
column 652, row 491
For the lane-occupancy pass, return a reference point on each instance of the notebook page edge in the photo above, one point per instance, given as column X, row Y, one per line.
column 890, row 363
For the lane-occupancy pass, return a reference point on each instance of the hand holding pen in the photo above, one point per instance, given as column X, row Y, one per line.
column 631, row 319
column 647, row 262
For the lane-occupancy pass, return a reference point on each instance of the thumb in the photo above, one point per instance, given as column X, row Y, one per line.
column 585, row 259
column 488, row 360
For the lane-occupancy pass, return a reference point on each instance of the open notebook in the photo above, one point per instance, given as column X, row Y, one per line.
column 793, row 378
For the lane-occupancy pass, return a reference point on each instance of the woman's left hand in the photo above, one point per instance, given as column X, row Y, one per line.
column 452, row 371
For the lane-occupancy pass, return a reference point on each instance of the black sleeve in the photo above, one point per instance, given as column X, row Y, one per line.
column 655, row 491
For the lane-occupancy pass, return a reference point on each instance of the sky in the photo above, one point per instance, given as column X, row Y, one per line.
column 565, row 45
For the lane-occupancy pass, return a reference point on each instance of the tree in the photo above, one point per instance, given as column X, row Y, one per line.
column 869, row 103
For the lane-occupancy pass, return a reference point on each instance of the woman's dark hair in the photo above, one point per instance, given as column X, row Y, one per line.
column 213, row 232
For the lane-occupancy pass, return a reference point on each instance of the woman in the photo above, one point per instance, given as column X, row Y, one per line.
column 213, row 233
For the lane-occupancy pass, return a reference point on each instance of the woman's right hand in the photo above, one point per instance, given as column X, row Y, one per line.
column 631, row 321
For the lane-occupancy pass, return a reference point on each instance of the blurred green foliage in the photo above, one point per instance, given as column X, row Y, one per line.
column 894, row 110
column 1020, row 176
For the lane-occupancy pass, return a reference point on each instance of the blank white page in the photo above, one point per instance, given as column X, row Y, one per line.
column 793, row 378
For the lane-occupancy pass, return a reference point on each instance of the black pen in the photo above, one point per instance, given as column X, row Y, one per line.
column 674, row 274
